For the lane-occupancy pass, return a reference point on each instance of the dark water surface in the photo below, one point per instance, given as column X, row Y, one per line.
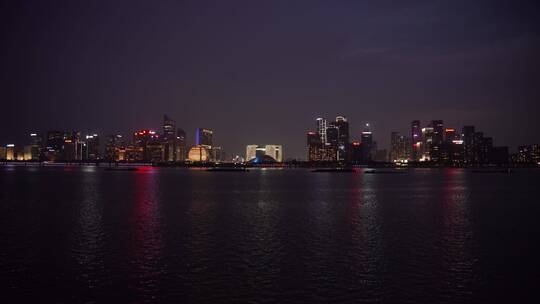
column 267, row 236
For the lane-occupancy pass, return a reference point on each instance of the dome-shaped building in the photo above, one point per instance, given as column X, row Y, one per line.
column 198, row 154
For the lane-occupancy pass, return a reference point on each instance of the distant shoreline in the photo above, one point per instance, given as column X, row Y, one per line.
column 297, row 164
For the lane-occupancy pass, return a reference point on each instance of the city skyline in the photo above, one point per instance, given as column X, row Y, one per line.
column 262, row 72
column 432, row 142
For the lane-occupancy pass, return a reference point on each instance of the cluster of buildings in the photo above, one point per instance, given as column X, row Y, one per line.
column 144, row 146
column 432, row 143
column 331, row 143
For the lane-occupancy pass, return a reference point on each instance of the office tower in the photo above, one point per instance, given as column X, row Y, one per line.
column 169, row 128
column 54, row 144
column 450, row 135
column 180, row 145
column 321, row 129
column 416, row 140
column 114, row 148
column 168, row 139
column 332, row 136
column 314, row 146
column 427, row 143
column 92, row 147
column 484, row 149
column 367, row 144
column 70, row 148
column 10, row 152
column 148, row 141
column 356, row 152
column 203, row 137
column 343, row 136
column 467, row 135
column 216, row 154
column 400, row 147
column 438, row 132
column 437, row 140
column 35, row 146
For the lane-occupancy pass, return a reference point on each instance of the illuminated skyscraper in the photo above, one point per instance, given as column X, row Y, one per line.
column 367, row 144
column 468, row 137
column 332, row 136
column 203, row 137
column 180, row 145
column 314, row 146
column 400, row 147
column 168, row 139
column 427, row 143
column 169, row 128
column 416, row 139
column 343, row 136
column 321, row 129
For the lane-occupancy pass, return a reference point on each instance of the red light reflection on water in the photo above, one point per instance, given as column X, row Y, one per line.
column 147, row 240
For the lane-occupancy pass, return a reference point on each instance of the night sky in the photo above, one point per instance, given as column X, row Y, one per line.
column 262, row 71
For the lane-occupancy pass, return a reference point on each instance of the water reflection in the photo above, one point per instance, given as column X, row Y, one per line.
column 88, row 235
column 147, row 234
column 457, row 233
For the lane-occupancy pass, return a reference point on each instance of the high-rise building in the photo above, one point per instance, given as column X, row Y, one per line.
column 367, row 144
column 115, row 148
column 180, row 145
column 203, row 137
column 54, row 145
column 332, row 136
column 149, row 142
column 321, row 129
column 343, row 136
column 169, row 128
column 469, row 146
column 427, row 143
column 168, row 139
column 416, row 140
column 92, row 147
column 35, row 146
column 400, row 147
column 314, row 146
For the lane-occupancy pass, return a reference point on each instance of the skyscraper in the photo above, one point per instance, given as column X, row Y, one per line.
column 321, row 129
column 314, row 146
column 367, row 144
column 400, row 147
column 180, row 145
column 427, row 143
column 416, row 139
column 203, row 137
column 168, row 139
column 343, row 136
column 468, row 136
column 169, row 128
column 332, row 136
